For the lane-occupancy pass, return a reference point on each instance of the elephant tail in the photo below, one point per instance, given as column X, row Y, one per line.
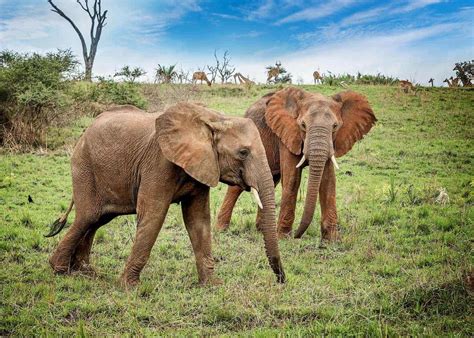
column 59, row 224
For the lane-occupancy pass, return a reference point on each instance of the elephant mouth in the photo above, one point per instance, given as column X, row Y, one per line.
column 236, row 182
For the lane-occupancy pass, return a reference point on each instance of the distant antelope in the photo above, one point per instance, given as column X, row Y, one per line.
column 431, row 81
column 406, row 86
column 201, row 76
column 317, row 77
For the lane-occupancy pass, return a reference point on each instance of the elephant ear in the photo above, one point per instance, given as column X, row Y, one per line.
column 358, row 118
column 186, row 138
column 282, row 110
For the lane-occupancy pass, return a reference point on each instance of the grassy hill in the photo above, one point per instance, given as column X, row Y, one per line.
column 404, row 265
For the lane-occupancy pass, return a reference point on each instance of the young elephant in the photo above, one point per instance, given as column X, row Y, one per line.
column 299, row 128
column 129, row 161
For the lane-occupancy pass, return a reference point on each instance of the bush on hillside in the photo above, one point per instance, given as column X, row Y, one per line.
column 38, row 91
column 366, row 79
column 108, row 92
column 32, row 93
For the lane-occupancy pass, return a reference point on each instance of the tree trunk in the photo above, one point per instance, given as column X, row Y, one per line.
column 88, row 66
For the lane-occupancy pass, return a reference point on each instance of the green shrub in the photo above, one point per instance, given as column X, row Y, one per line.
column 32, row 94
column 363, row 79
column 107, row 92
column 37, row 92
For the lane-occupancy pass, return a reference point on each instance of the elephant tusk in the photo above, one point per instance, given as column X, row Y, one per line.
column 301, row 161
column 256, row 197
column 333, row 159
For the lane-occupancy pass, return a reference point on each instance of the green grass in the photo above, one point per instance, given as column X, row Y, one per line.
column 401, row 268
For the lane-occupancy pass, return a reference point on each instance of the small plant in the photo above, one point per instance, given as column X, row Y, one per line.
column 391, row 194
column 412, row 196
column 130, row 75
column 165, row 74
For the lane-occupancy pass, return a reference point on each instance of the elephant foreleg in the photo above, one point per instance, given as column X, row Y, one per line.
column 151, row 215
column 225, row 213
column 196, row 215
column 290, row 182
column 327, row 200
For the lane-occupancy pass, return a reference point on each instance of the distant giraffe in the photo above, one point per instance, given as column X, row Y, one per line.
column 454, row 81
column 273, row 72
column 317, row 77
column 201, row 76
column 431, row 81
column 406, row 86
column 242, row 79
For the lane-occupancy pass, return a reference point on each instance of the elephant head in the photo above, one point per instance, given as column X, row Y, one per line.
column 318, row 128
column 211, row 147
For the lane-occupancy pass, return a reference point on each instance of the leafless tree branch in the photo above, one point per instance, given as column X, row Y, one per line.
column 97, row 24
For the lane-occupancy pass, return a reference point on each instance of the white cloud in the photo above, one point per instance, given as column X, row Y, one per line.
column 364, row 16
column 311, row 13
column 226, row 16
column 262, row 11
column 416, row 4
column 386, row 11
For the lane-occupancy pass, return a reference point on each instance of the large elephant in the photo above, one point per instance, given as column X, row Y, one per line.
column 300, row 128
column 129, row 161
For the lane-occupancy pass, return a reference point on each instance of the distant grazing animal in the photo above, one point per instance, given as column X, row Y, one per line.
column 406, row 86
column 273, row 72
column 317, row 77
column 452, row 82
column 431, row 81
column 201, row 76
column 242, row 79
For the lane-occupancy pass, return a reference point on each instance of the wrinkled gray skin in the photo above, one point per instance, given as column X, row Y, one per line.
column 129, row 161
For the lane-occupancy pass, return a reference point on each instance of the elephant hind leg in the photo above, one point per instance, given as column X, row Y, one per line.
column 81, row 258
column 225, row 213
column 62, row 257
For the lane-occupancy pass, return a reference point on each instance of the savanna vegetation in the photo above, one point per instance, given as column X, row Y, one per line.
column 405, row 195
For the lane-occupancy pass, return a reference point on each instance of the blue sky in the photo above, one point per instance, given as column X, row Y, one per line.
column 412, row 39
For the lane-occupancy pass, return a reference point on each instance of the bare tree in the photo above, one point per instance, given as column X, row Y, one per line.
column 97, row 17
column 223, row 67
column 213, row 73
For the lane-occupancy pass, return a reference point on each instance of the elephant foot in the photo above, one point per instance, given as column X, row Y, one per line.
column 330, row 234
column 211, row 281
column 60, row 266
column 83, row 268
column 284, row 233
column 129, row 283
column 222, row 226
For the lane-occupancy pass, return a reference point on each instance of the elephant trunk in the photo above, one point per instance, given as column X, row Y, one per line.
column 318, row 154
column 266, row 191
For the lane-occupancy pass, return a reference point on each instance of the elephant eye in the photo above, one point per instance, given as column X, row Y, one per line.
column 334, row 126
column 243, row 153
column 303, row 126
